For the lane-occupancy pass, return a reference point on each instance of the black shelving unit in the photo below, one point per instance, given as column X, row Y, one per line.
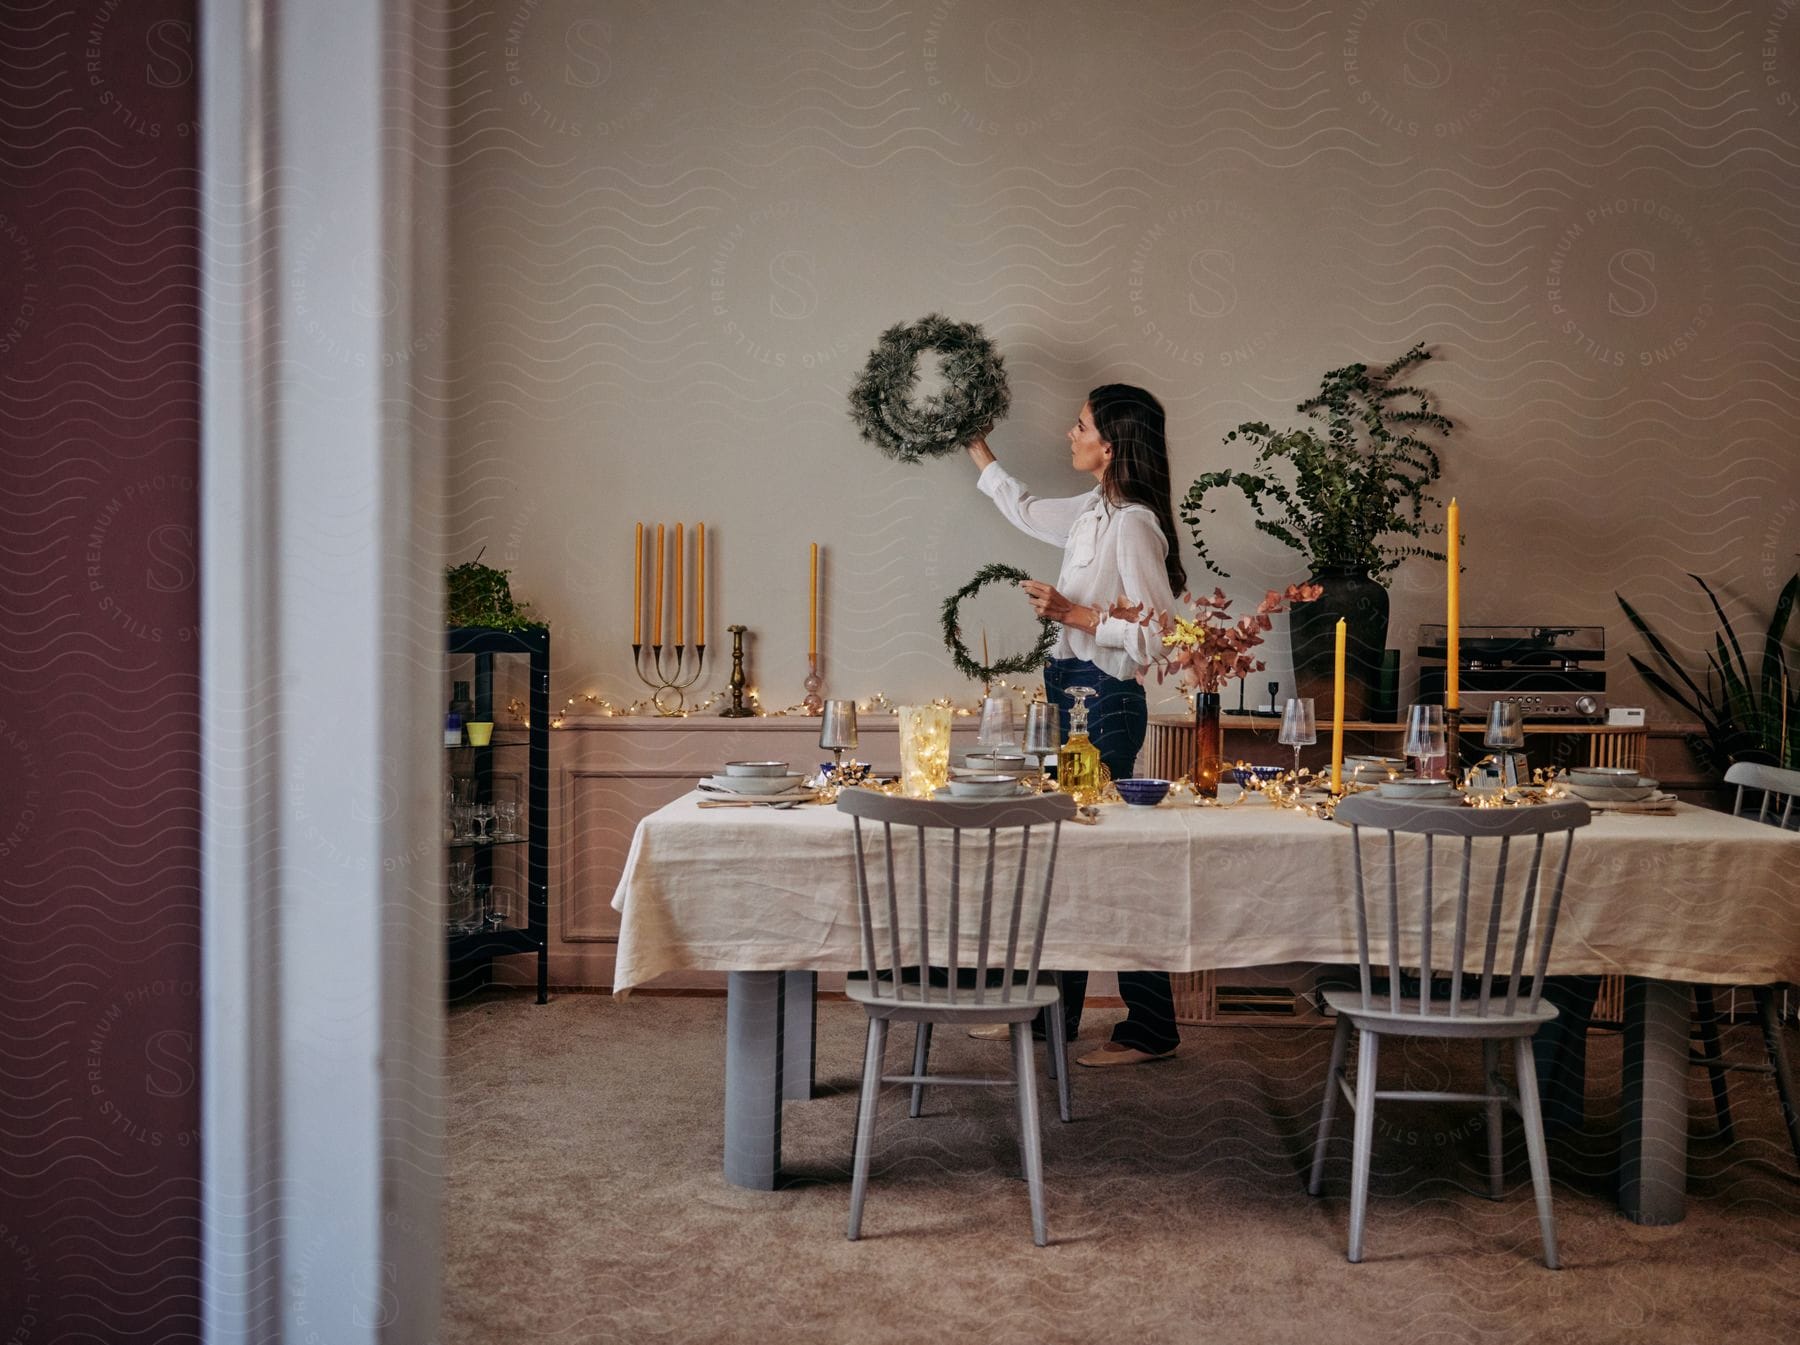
column 471, row 955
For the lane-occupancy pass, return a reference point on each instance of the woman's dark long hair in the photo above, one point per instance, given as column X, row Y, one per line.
column 1132, row 421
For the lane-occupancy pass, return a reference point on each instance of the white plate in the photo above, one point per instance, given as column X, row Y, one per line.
column 755, row 784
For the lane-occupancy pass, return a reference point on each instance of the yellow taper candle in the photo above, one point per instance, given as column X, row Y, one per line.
column 1337, row 712
column 812, row 631
column 700, row 591
column 680, row 623
column 1453, row 611
column 637, row 590
column 656, row 627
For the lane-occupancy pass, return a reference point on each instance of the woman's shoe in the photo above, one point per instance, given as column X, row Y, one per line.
column 1112, row 1054
column 1002, row 1032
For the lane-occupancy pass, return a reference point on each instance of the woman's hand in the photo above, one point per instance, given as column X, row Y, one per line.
column 1048, row 603
column 979, row 452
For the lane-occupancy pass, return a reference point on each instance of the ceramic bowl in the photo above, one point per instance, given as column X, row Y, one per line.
column 756, row 768
column 1142, row 793
column 756, row 784
column 1245, row 774
column 1416, row 789
column 997, row 763
column 1603, row 775
column 1636, row 792
column 993, row 785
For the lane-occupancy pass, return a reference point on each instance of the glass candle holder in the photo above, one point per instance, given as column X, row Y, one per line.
column 924, row 749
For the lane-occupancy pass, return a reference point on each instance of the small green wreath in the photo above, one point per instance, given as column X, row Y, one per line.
column 975, row 394
column 1019, row 663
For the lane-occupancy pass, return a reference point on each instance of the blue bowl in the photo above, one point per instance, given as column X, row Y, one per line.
column 1245, row 774
column 1142, row 793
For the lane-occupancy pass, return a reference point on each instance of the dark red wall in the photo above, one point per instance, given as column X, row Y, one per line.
column 99, row 716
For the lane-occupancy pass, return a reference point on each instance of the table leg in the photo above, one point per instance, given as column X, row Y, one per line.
column 753, row 1078
column 800, row 1015
column 1653, row 1148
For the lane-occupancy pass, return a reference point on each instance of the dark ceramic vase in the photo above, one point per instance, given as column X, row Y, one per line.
column 1363, row 604
column 1207, row 735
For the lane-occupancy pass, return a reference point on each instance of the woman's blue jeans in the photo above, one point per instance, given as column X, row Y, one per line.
column 1118, row 718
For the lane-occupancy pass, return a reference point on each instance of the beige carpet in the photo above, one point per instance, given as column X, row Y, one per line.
column 585, row 1202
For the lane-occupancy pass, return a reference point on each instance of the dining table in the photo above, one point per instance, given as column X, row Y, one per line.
column 767, row 895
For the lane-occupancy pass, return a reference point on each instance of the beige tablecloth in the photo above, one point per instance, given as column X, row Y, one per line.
column 1696, row 896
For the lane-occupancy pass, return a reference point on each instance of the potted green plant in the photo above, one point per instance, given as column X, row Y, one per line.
column 1352, row 500
column 480, row 595
column 1744, row 715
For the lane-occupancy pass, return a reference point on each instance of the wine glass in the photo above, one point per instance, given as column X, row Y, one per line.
column 1298, row 727
column 1505, row 727
column 483, row 815
column 1043, row 735
column 506, row 817
column 1425, row 741
column 1506, row 735
column 837, row 729
column 997, row 729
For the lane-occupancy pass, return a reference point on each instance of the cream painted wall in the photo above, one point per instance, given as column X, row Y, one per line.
column 679, row 229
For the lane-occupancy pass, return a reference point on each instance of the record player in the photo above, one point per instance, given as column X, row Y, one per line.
column 1552, row 672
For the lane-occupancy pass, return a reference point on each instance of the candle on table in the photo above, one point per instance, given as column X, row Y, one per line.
column 680, row 623
column 700, row 591
column 812, row 632
column 656, row 628
column 1337, row 713
column 637, row 590
column 1453, row 612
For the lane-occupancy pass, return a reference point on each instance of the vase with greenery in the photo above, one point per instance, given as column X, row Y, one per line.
column 1350, row 493
column 1745, row 713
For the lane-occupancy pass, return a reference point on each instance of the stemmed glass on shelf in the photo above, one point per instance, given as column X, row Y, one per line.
column 1298, row 728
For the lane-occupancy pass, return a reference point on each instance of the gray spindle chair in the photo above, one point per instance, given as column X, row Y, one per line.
column 1779, row 790
column 915, row 936
column 1526, row 914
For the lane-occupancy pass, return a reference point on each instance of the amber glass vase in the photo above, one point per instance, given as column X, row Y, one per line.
column 1207, row 734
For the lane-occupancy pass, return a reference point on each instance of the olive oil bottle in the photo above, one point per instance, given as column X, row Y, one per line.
column 1078, row 760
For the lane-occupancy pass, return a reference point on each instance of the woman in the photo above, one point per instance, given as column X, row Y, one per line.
column 1118, row 554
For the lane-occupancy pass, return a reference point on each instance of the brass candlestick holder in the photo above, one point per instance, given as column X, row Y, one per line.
column 814, row 703
column 737, row 709
column 669, row 686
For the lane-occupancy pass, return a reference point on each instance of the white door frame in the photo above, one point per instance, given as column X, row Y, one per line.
column 321, row 650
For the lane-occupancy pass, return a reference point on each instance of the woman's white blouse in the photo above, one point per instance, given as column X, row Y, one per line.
column 1109, row 552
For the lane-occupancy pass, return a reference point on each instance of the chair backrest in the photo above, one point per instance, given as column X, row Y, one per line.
column 1779, row 790
column 1002, row 912
column 1529, row 909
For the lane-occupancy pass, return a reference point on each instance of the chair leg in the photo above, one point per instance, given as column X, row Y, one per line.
column 921, row 1057
column 1025, row 1076
column 1491, row 1085
column 865, row 1121
column 1707, row 1016
column 1368, row 1055
column 1532, row 1115
column 1056, row 1039
column 1340, row 1043
column 1778, row 1060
